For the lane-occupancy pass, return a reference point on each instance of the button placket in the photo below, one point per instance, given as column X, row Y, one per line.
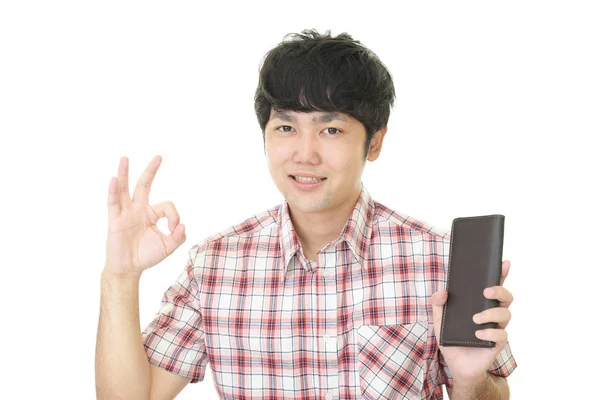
column 329, row 332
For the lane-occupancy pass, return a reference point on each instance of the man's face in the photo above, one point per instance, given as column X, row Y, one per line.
column 316, row 159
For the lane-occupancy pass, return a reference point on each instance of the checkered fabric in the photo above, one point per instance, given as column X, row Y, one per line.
column 354, row 324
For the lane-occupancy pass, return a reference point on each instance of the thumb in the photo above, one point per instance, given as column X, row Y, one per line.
column 438, row 299
column 174, row 239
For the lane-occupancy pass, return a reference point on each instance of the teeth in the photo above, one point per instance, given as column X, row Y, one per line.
column 302, row 179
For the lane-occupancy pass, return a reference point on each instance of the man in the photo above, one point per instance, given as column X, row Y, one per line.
column 329, row 295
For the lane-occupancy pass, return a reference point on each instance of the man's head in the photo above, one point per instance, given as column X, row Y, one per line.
column 318, row 72
column 323, row 104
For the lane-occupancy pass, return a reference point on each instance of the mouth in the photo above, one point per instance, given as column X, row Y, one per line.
column 307, row 180
column 307, row 184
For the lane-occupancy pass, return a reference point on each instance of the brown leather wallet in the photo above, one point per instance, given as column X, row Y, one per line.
column 475, row 263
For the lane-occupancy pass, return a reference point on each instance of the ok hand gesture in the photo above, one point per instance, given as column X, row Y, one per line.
column 134, row 241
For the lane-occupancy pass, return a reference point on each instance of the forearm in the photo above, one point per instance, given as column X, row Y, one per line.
column 491, row 387
column 122, row 368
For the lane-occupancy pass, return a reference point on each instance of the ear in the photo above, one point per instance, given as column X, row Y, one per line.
column 376, row 143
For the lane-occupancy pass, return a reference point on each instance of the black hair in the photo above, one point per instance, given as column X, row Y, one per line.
column 317, row 72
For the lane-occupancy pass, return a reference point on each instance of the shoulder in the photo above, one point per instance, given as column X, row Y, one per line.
column 384, row 218
column 259, row 228
column 418, row 243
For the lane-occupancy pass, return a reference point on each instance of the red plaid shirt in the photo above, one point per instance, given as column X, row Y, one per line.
column 355, row 323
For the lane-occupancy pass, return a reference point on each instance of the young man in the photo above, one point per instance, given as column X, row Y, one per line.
column 330, row 295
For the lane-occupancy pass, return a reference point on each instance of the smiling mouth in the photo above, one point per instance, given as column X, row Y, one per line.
column 302, row 179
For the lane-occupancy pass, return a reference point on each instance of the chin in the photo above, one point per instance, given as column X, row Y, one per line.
column 305, row 205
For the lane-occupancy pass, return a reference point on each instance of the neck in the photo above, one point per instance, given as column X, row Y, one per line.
column 316, row 230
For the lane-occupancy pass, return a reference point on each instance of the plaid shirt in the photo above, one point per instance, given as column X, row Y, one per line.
column 355, row 323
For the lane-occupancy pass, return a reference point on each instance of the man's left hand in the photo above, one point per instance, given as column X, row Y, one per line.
column 469, row 365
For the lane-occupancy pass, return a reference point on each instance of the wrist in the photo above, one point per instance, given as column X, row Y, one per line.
column 469, row 385
column 120, row 279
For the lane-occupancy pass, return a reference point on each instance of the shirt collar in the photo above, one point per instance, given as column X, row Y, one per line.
column 356, row 232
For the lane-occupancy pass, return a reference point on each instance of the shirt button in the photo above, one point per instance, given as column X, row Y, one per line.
column 325, row 273
column 326, row 338
column 328, row 396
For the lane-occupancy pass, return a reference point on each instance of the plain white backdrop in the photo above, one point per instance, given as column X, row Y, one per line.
column 497, row 112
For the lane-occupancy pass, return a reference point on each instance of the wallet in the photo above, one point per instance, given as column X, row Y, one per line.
column 475, row 263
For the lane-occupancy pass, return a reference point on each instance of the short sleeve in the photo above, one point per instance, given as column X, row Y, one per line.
column 174, row 339
column 503, row 365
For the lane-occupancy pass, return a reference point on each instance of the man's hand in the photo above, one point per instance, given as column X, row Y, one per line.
column 134, row 242
column 468, row 365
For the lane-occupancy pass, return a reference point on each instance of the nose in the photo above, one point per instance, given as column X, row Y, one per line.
column 307, row 150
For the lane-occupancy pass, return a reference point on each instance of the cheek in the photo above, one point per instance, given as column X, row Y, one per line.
column 276, row 153
column 344, row 160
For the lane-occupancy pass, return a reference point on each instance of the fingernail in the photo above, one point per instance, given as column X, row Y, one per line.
column 489, row 292
column 479, row 334
column 478, row 318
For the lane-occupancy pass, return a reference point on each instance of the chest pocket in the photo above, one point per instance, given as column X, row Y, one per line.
column 391, row 360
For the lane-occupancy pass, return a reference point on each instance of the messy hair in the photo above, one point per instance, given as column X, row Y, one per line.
column 317, row 72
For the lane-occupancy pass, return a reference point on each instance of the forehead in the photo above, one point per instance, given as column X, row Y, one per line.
column 314, row 117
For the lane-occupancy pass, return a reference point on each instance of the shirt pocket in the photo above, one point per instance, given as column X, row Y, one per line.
column 391, row 360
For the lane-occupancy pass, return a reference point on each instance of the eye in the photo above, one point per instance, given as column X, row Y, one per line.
column 283, row 126
column 337, row 131
column 330, row 131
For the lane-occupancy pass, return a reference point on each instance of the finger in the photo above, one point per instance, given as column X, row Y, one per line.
column 499, row 315
column 505, row 269
column 175, row 239
column 141, row 195
column 166, row 209
column 500, row 293
column 114, row 204
column 500, row 336
column 123, row 180
column 438, row 299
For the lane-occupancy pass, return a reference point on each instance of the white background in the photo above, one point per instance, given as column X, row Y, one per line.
column 498, row 105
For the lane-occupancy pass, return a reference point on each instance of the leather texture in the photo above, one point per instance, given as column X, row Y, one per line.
column 475, row 263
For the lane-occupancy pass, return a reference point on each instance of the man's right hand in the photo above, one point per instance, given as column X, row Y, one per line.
column 134, row 241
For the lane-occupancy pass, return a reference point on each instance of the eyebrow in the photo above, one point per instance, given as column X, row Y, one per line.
column 325, row 117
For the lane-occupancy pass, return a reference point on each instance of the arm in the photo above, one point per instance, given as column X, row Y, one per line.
column 492, row 387
column 122, row 367
column 134, row 244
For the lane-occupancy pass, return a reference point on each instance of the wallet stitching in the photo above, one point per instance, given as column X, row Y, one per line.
column 448, row 283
